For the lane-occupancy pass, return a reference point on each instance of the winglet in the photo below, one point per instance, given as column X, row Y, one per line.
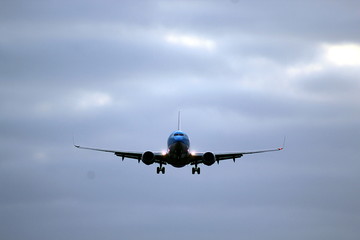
column 77, row 146
column 283, row 144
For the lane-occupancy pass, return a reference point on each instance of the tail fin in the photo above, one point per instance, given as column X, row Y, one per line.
column 179, row 120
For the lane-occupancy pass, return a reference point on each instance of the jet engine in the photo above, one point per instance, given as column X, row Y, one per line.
column 209, row 158
column 148, row 158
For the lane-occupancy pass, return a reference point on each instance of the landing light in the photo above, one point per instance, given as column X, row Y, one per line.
column 163, row 152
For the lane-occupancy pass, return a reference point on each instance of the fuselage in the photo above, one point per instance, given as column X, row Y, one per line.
column 178, row 154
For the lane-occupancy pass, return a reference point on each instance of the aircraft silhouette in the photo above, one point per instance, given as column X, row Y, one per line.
column 178, row 154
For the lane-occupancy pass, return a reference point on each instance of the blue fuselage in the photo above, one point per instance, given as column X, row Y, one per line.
column 178, row 149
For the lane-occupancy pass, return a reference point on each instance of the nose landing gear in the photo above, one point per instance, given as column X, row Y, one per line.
column 160, row 170
column 195, row 170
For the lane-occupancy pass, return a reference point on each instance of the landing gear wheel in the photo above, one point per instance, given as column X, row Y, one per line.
column 195, row 170
column 160, row 170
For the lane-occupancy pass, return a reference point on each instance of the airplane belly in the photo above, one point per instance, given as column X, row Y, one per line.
column 178, row 155
column 178, row 163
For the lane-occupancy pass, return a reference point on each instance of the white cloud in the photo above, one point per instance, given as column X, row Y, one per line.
column 304, row 69
column 89, row 100
column 340, row 55
column 190, row 41
column 343, row 54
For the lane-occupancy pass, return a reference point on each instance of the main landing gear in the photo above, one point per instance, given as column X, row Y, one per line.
column 195, row 170
column 160, row 170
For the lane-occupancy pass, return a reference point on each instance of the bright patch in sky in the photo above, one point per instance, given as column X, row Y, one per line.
column 340, row 55
column 93, row 99
column 40, row 156
column 304, row 69
column 190, row 41
column 343, row 54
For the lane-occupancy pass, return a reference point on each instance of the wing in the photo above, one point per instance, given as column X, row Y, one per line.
column 197, row 157
column 233, row 156
column 134, row 155
column 159, row 157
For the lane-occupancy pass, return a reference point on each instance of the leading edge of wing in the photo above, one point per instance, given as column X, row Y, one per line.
column 197, row 157
column 135, row 155
column 233, row 155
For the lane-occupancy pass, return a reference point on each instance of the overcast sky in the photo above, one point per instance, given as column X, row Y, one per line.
column 243, row 73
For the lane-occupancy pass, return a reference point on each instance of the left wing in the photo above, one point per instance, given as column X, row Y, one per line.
column 198, row 157
column 233, row 156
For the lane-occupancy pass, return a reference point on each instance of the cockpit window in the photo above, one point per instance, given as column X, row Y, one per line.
column 178, row 134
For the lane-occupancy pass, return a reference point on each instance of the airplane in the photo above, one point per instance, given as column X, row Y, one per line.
column 178, row 154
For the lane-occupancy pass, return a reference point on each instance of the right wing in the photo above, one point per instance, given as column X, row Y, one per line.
column 159, row 158
column 134, row 155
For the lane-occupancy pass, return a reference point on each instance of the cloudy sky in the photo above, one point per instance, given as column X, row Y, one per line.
column 243, row 73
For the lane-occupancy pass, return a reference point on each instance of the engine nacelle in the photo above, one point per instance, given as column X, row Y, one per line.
column 148, row 158
column 208, row 158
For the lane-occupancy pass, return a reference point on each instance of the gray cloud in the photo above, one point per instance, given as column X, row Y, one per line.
column 115, row 74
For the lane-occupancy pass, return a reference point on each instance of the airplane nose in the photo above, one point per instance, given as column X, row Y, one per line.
column 178, row 138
